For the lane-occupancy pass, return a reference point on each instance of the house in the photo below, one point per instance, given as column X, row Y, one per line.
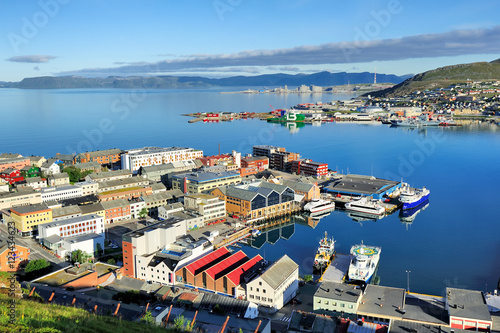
column 11, row 176
column 381, row 304
column 310, row 191
column 12, row 258
column 276, row 286
column 61, row 193
column 163, row 172
column 335, row 299
column 164, row 212
column 59, row 179
column 5, row 156
column 51, row 167
column 89, row 166
column 94, row 208
column 30, row 171
column 116, row 210
column 105, row 176
column 210, row 207
column 153, row 201
column 204, row 182
column 16, row 163
column 134, row 159
column 66, row 212
column 36, row 183
column 22, row 197
column 37, row 161
column 66, row 159
column 125, row 193
column 307, row 167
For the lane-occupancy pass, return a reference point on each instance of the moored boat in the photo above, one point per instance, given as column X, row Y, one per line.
column 364, row 263
column 365, row 205
column 412, row 197
column 324, row 254
column 318, row 206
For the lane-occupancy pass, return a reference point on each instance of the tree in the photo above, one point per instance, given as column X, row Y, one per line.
column 98, row 250
column 143, row 213
column 79, row 256
column 74, row 173
column 307, row 278
column 111, row 261
column 35, row 265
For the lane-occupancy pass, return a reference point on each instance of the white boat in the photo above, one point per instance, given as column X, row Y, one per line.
column 365, row 205
column 364, row 262
column 318, row 206
column 411, row 197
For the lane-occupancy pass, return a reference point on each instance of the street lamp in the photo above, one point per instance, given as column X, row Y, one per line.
column 408, row 281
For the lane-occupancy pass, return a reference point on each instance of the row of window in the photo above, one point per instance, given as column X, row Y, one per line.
column 342, row 305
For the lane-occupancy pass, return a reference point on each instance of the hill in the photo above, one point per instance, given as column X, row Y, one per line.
column 176, row 82
column 443, row 77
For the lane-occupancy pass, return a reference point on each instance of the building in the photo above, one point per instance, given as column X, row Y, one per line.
column 134, row 159
column 259, row 162
column 89, row 166
column 59, row 179
column 136, row 206
column 22, row 197
column 35, row 183
column 204, row 182
column 14, row 163
column 163, row 172
column 27, row 218
column 12, row 258
column 106, row 176
column 147, row 241
column 276, row 286
column 309, row 168
column 216, row 159
column 103, row 157
column 468, row 310
column 258, row 199
column 61, row 193
column 357, row 185
column 337, row 299
column 125, row 193
column 153, row 201
column 51, row 167
column 70, row 227
column 122, row 183
column 381, row 304
column 164, row 212
column 210, row 207
column 67, row 212
column 116, row 210
column 37, row 161
column 88, row 188
column 30, row 171
column 11, row 176
column 279, row 158
column 309, row 191
column 94, row 208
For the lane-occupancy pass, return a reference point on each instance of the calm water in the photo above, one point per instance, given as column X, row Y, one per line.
column 454, row 242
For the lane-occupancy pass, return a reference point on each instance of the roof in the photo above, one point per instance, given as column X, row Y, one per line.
column 49, row 162
column 92, row 208
column 379, row 301
column 279, row 271
column 208, row 260
column 30, row 208
column 207, row 176
column 6, row 247
column 405, row 326
column 153, row 150
column 115, row 204
column 108, row 174
column 236, row 275
column 467, row 304
column 169, row 167
column 338, row 291
column 122, row 182
column 255, row 158
column 71, row 220
column 60, row 175
column 9, row 155
column 360, row 184
column 87, row 165
column 298, row 185
column 229, row 263
column 68, row 210
column 34, row 180
column 35, row 158
column 158, row 187
column 157, row 197
column 53, row 239
column 98, row 153
column 82, row 238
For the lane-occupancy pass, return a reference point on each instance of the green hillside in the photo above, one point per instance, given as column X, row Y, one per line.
column 443, row 77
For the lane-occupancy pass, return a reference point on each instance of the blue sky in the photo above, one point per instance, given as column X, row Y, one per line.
column 242, row 37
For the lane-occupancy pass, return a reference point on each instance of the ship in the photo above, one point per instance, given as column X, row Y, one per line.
column 412, row 197
column 408, row 215
column 324, row 254
column 364, row 205
column 364, row 263
column 318, row 206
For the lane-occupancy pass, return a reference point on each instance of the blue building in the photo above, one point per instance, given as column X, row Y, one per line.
column 357, row 185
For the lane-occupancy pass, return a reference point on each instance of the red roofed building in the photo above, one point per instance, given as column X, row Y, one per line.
column 191, row 272
column 211, row 275
column 11, row 176
column 229, row 283
column 216, row 159
column 309, row 168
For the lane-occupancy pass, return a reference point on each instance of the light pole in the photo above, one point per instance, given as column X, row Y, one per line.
column 408, row 281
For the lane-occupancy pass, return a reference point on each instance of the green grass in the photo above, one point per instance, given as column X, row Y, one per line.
column 37, row 317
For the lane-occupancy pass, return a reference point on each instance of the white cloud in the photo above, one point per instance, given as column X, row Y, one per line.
column 34, row 59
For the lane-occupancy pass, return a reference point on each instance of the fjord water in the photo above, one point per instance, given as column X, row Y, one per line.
column 454, row 242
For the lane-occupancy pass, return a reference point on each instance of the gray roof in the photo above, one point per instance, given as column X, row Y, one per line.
column 467, row 304
column 53, row 239
column 49, row 162
column 82, row 238
column 158, row 187
column 338, row 291
column 207, row 176
column 33, row 180
column 72, row 220
column 98, row 153
column 157, row 197
column 63, row 211
column 360, row 184
column 65, row 157
column 30, row 208
column 276, row 187
column 425, row 308
column 12, row 160
column 35, row 158
column 60, row 175
column 108, row 174
column 298, row 185
column 87, row 165
column 170, row 167
column 404, row 326
column 152, row 150
column 9, row 155
column 92, row 208
column 379, row 301
column 123, row 181
column 279, row 271
column 239, row 193
column 115, row 204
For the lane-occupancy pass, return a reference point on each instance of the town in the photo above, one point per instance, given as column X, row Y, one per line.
column 163, row 229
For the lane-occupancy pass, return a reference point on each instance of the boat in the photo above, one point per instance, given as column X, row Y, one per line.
column 288, row 117
column 364, row 263
column 324, row 254
column 317, row 206
column 255, row 232
column 365, row 205
column 361, row 217
column 408, row 215
column 411, row 197
column 404, row 123
column 423, row 120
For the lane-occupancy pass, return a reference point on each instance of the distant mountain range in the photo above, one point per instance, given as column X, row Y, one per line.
column 169, row 82
column 443, row 77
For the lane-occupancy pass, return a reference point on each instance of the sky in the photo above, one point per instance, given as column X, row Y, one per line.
column 220, row 38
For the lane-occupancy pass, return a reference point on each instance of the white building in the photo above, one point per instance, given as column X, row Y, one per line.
column 61, row 193
column 105, row 176
column 136, row 205
column 164, row 212
column 36, row 183
column 50, row 167
column 276, row 286
column 134, row 159
column 88, row 187
column 86, row 243
column 206, row 205
column 59, row 179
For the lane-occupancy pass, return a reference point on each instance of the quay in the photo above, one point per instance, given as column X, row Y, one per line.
column 337, row 270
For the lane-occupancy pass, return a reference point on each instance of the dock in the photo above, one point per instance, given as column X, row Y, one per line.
column 337, row 270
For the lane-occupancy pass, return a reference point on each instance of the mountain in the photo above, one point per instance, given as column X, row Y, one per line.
column 167, row 82
column 443, row 77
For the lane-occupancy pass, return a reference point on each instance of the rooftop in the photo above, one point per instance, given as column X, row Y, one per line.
column 140, row 232
column 153, row 150
column 30, row 209
column 278, row 272
column 208, row 260
column 98, row 153
column 379, row 301
column 71, row 220
column 114, row 204
column 467, row 304
column 227, row 265
column 338, row 291
column 236, row 276
column 361, row 184
column 207, row 176
column 123, row 182
column 63, row 211
column 108, row 174
column 92, row 208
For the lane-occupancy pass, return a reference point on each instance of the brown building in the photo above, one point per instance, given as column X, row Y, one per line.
column 191, row 274
column 108, row 156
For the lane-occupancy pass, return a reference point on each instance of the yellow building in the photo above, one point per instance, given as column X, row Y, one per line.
column 27, row 218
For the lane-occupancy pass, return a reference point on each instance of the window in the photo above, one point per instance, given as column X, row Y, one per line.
column 326, row 302
column 342, row 305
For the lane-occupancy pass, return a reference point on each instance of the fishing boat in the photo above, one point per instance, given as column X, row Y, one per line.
column 324, row 254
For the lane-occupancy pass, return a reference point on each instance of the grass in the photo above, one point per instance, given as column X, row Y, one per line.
column 37, row 317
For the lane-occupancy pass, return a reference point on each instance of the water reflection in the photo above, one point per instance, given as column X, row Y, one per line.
column 407, row 216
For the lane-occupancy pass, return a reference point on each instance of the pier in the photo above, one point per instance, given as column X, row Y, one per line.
column 337, row 270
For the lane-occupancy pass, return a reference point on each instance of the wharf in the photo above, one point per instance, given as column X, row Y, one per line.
column 337, row 270
column 390, row 207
